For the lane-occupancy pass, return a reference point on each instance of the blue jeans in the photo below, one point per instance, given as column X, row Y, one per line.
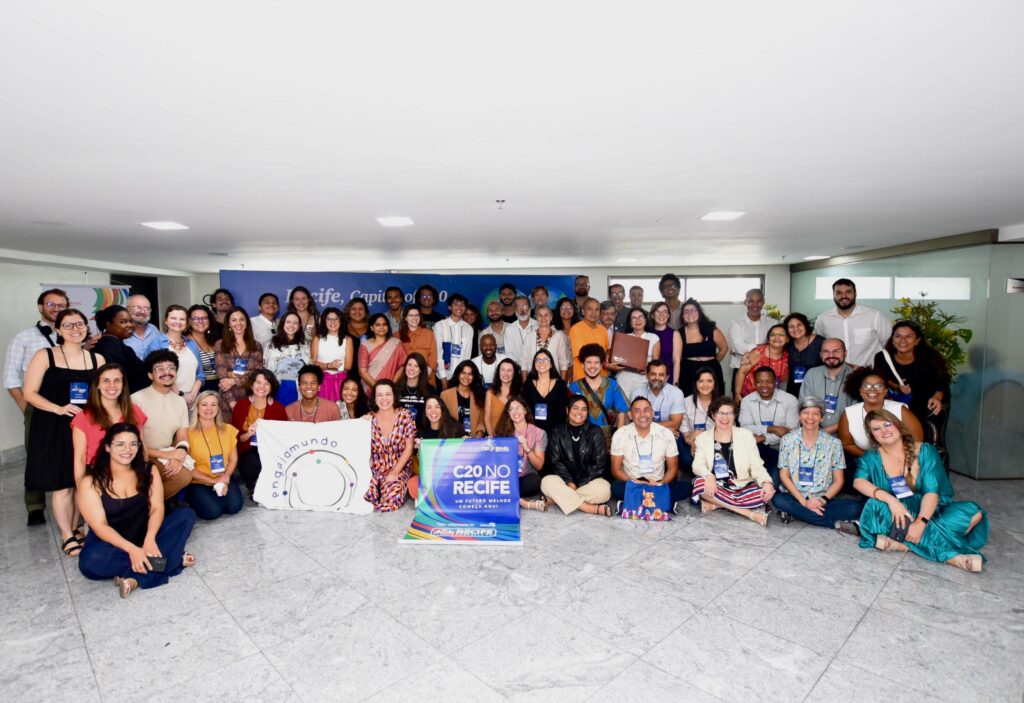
column 685, row 457
column 208, row 505
column 101, row 560
column 836, row 510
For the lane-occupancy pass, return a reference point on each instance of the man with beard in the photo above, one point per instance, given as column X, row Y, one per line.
column 617, row 294
column 864, row 330
column 826, row 382
column 395, row 298
column 426, row 298
column 497, row 327
column 520, row 332
column 507, row 295
column 667, row 404
column 145, row 334
column 166, row 430
column 581, row 286
column 488, row 360
column 746, row 332
column 20, row 351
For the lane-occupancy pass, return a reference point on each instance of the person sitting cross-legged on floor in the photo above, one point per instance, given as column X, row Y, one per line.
column 645, row 452
column 578, row 460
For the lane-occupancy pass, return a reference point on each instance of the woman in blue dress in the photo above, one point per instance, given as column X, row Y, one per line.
column 907, row 488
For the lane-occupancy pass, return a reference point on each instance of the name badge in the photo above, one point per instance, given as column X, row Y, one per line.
column 646, row 465
column 415, row 410
column 806, row 476
column 465, row 424
column 362, row 338
column 720, row 467
column 241, row 366
column 540, row 411
column 217, row 464
column 252, row 441
column 798, row 373
column 456, row 349
column 831, row 403
column 767, row 423
column 487, row 386
column 701, row 426
column 657, row 416
column 899, row 487
column 79, row 392
column 501, row 350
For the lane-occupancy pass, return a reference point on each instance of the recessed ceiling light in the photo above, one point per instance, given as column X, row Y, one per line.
column 395, row 221
column 816, row 257
column 626, row 260
column 719, row 215
column 164, row 225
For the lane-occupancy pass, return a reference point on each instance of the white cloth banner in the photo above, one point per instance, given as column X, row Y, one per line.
column 314, row 466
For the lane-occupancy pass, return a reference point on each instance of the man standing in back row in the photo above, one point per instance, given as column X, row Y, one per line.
column 864, row 330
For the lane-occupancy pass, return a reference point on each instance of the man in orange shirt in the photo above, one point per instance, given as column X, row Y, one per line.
column 587, row 331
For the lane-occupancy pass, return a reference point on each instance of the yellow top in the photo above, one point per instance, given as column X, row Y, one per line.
column 203, row 444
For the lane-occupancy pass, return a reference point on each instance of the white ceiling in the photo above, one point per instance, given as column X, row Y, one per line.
column 280, row 130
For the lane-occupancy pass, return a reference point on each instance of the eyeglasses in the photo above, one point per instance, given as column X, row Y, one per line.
column 161, row 368
column 827, row 352
column 198, row 318
column 778, row 335
column 541, row 360
column 73, row 326
column 723, row 413
column 55, row 306
column 124, row 445
column 873, row 386
column 141, row 308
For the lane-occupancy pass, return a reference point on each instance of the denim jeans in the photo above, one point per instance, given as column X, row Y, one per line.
column 208, row 505
column 836, row 510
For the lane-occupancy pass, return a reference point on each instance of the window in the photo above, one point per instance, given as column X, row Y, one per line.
column 868, row 287
column 932, row 288
column 706, row 289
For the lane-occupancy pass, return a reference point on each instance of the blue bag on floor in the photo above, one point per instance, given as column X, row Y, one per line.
column 642, row 501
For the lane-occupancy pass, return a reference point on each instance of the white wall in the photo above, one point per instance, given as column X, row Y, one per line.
column 19, row 289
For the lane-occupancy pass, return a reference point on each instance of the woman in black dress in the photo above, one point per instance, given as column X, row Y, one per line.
column 115, row 324
column 57, row 387
column 703, row 345
column 545, row 392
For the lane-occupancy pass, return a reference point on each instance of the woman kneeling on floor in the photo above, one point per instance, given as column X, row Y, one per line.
column 122, row 499
column 728, row 468
column 578, row 460
column 911, row 504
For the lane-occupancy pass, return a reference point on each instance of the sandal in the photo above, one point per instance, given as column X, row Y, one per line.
column 888, row 545
column 72, row 547
column 538, row 504
column 605, row 509
column 707, row 506
column 125, row 586
column 968, row 562
column 760, row 517
column 188, row 559
column 79, row 534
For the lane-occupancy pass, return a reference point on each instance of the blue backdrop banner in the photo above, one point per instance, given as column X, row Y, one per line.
column 337, row 288
column 469, row 492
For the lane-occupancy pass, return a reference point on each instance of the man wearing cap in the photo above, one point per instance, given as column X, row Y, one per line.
column 811, row 472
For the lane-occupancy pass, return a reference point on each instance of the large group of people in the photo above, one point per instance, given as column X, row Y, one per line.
column 138, row 431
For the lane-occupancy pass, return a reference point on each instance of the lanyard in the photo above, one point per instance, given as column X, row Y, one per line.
column 207, row 443
column 839, row 381
column 696, row 408
column 774, row 412
column 636, row 443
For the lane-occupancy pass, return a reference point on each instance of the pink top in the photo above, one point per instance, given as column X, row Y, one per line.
column 94, row 434
column 536, row 438
column 327, row 410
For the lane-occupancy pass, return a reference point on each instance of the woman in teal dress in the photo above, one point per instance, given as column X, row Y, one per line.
column 906, row 484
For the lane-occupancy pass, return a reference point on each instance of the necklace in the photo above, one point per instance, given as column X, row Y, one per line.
column 311, row 416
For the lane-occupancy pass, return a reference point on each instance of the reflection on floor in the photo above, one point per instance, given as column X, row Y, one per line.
column 309, row 607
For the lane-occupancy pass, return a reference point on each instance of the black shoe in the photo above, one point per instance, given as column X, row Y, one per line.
column 36, row 517
column 848, row 527
column 785, row 517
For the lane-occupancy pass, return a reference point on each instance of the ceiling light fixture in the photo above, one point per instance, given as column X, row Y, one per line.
column 816, row 257
column 395, row 221
column 723, row 215
column 164, row 225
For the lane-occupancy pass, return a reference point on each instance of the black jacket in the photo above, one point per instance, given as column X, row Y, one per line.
column 593, row 461
column 115, row 351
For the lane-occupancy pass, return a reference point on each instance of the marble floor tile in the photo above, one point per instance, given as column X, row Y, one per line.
column 352, row 658
column 291, row 607
column 536, row 576
column 815, row 618
column 736, row 662
column 250, row 679
column 28, row 612
column 231, row 534
column 127, row 665
column 451, row 612
column 730, row 538
column 443, row 682
column 61, row 675
column 630, row 614
column 856, row 580
column 694, row 577
column 934, row 661
column 538, row 658
column 642, row 682
column 850, row 684
column 254, row 569
column 920, row 595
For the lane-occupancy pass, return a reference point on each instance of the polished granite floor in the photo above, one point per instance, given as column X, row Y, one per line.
column 310, row 607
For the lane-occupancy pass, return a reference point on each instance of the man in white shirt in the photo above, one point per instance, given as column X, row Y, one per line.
column 146, row 333
column 454, row 338
column 747, row 332
column 667, row 402
column 863, row 329
column 20, row 351
column 265, row 324
column 770, row 414
column 488, row 360
column 826, row 382
column 645, row 452
column 497, row 327
column 519, row 333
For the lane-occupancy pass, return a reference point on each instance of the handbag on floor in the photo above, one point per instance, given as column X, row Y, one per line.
column 643, row 501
